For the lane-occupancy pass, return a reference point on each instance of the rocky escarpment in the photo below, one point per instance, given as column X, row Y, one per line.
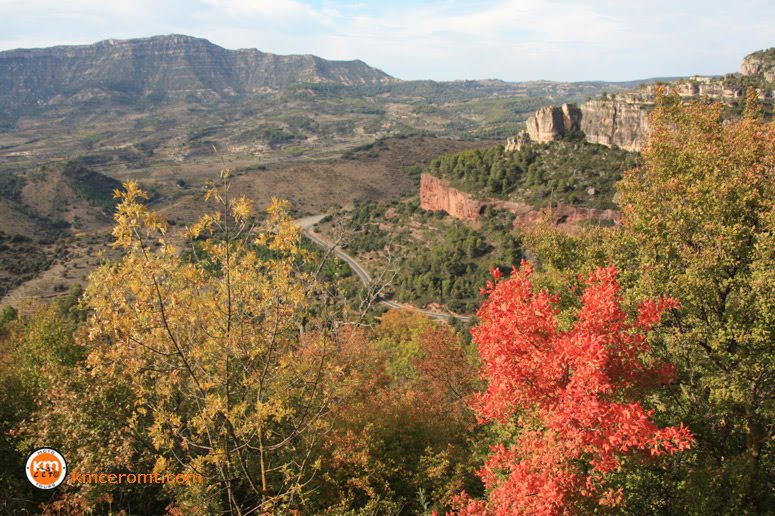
column 610, row 122
column 622, row 120
column 711, row 88
column 437, row 194
column 760, row 63
column 550, row 122
column 613, row 122
column 163, row 66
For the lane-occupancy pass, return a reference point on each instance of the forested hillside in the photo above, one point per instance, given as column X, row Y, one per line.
column 570, row 171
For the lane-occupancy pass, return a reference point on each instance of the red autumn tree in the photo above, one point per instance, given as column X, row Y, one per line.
column 567, row 399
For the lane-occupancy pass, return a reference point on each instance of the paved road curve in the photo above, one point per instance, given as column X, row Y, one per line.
column 306, row 224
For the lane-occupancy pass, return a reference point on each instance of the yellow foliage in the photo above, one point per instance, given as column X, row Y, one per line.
column 209, row 343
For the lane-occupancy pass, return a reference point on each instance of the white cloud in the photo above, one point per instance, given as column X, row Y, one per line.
column 277, row 9
column 109, row 9
column 468, row 43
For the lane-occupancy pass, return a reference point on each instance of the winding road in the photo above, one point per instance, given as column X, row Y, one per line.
column 306, row 224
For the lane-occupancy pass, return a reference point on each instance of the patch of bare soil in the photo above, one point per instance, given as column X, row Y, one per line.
column 375, row 174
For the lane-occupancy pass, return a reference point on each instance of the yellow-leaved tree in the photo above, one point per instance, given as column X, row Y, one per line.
column 204, row 357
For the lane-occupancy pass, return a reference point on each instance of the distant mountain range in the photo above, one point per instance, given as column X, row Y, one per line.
column 164, row 65
column 179, row 67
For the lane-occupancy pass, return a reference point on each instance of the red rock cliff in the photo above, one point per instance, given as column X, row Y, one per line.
column 437, row 194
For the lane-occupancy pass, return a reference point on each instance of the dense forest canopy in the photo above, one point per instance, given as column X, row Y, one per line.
column 560, row 171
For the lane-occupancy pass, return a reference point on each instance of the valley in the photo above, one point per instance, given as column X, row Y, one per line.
column 321, row 134
column 327, row 145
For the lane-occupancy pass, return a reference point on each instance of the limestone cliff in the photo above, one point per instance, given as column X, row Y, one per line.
column 622, row 119
column 760, row 63
column 550, row 122
column 609, row 122
column 437, row 194
column 614, row 122
column 520, row 140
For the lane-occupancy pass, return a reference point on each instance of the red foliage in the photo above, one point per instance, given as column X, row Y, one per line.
column 572, row 393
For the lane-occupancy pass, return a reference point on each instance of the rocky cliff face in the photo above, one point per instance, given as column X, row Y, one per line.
column 623, row 123
column 760, row 63
column 162, row 66
column 709, row 87
column 519, row 141
column 613, row 122
column 437, row 194
column 567, row 218
column 622, row 120
column 550, row 122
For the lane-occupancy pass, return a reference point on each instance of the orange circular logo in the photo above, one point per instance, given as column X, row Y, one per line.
column 46, row 468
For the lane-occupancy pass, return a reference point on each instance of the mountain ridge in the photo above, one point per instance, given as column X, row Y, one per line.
column 173, row 65
column 178, row 66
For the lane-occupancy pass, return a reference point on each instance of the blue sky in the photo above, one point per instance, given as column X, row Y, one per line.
column 514, row 40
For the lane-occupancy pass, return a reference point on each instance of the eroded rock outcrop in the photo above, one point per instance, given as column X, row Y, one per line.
column 550, row 122
column 565, row 217
column 710, row 87
column 760, row 63
column 609, row 122
column 614, row 122
column 520, row 140
column 437, row 194
column 622, row 120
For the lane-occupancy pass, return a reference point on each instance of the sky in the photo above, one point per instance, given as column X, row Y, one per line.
column 513, row 40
